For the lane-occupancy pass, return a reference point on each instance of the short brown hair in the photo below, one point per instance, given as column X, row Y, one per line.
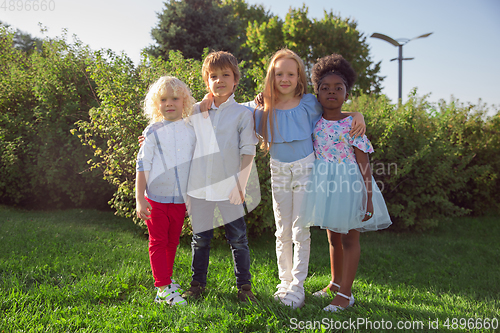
column 220, row 59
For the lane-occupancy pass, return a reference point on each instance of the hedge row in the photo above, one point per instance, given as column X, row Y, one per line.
column 432, row 161
column 43, row 94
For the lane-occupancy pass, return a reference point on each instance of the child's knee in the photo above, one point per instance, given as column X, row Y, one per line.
column 284, row 233
column 155, row 244
column 240, row 243
column 172, row 245
column 283, row 237
column 334, row 239
column 200, row 242
column 349, row 241
column 301, row 235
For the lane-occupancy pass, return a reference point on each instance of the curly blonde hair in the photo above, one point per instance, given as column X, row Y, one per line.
column 158, row 89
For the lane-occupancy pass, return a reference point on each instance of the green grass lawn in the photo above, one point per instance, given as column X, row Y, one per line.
column 88, row 271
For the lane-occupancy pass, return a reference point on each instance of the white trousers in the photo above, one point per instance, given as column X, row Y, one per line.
column 293, row 242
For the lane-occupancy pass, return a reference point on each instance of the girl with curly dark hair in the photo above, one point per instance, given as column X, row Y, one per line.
column 342, row 195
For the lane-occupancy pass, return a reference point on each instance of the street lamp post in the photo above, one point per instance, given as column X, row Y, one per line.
column 400, row 58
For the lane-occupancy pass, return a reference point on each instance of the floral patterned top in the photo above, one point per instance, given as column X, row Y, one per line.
column 332, row 142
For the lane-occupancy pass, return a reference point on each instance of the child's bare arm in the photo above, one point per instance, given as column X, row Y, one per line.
column 358, row 127
column 143, row 207
column 364, row 166
column 237, row 195
column 205, row 104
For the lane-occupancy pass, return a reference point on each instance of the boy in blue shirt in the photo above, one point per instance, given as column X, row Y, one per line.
column 219, row 173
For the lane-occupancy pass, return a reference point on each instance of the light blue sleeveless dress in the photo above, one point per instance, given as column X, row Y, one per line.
column 336, row 194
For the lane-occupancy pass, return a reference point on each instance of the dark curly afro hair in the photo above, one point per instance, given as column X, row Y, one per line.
column 336, row 64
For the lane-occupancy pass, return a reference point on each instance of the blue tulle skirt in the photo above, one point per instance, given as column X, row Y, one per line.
column 336, row 199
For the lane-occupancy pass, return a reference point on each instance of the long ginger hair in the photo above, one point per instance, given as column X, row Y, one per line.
column 271, row 95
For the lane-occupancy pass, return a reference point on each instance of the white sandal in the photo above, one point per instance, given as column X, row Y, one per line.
column 324, row 294
column 335, row 308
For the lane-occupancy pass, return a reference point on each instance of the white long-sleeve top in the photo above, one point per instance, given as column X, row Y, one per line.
column 165, row 157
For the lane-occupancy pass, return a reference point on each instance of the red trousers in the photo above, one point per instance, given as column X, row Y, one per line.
column 164, row 228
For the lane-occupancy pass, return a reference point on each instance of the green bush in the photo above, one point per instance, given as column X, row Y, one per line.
column 43, row 93
column 479, row 138
column 426, row 160
column 432, row 161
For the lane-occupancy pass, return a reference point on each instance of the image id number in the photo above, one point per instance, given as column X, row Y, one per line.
column 471, row 323
column 28, row 5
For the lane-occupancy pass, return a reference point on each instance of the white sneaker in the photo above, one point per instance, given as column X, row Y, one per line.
column 171, row 295
column 294, row 298
column 281, row 292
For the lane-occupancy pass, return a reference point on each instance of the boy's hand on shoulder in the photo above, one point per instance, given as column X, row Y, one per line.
column 358, row 127
column 205, row 104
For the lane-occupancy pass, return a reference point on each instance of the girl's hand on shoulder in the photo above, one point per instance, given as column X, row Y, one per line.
column 141, row 139
column 205, row 104
column 358, row 127
column 369, row 210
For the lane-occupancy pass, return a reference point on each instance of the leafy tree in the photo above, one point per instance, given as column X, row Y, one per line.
column 24, row 41
column 313, row 39
column 223, row 27
column 192, row 25
column 247, row 13
column 252, row 34
column 244, row 14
